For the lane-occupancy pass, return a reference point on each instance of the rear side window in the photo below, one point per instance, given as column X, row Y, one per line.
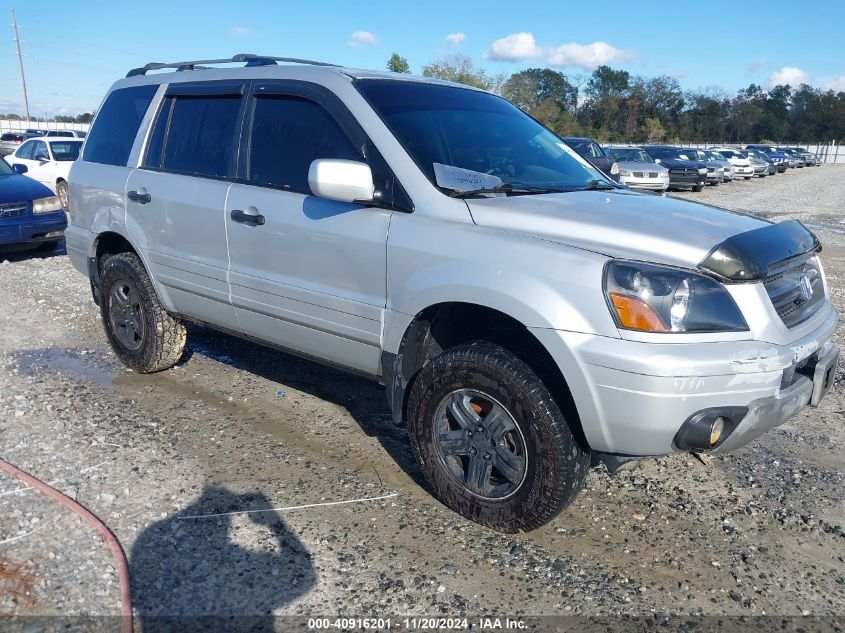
column 288, row 133
column 199, row 138
column 116, row 125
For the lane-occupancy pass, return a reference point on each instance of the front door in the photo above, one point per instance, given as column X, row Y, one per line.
column 306, row 273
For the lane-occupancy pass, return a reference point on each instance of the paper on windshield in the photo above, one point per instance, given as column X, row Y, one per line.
column 459, row 179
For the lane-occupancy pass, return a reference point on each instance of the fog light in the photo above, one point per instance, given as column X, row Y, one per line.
column 716, row 430
column 55, row 234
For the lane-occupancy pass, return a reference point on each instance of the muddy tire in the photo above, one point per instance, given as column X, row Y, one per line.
column 140, row 331
column 492, row 441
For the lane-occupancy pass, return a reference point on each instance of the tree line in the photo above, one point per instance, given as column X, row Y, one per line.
column 615, row 106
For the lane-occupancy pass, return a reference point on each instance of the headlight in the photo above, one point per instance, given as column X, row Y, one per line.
column 50, row 204
column 653, row 298
column 702, row 171
column 614, row 169
column 625, row 172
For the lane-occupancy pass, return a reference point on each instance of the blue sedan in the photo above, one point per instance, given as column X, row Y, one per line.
column 30, row 214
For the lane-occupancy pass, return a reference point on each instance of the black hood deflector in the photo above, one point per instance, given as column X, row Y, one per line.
column 752, row 255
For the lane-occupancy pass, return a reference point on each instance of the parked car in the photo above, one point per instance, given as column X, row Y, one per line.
column 726, row 165
column 9, row 142
column 741, row 162
column 796, row 154
column 592, row 151
column 757, row 156
column 637, row 169
column 684, row 173
column 524, row 312
column 30, row 215
column 810, row 159
column 779, row 159
column 48, row 161
column 33, row 132
column 715, row 171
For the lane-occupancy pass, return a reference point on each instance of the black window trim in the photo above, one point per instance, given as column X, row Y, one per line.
column 396, row 199
column 195, row 89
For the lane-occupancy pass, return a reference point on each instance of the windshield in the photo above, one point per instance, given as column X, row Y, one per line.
column 466, row 139
column 66, row 150
column 5, row 170
column 630, row 155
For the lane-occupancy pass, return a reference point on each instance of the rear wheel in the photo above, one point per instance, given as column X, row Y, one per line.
column 698, row 188
column 141, row 332
column 491, row 439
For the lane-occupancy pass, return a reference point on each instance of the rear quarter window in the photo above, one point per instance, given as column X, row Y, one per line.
column 113, row 133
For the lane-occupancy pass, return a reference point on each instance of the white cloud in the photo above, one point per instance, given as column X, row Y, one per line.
column 239, row 31
column 676, row 74
column 359, row 38
column 837, row 84
column 521, row 46
column 788, row 75
column 587, row 56
column 455, row 39
column 514, row 47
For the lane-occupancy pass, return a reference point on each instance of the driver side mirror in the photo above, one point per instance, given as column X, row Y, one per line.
column 342, row 180
column 21, row 169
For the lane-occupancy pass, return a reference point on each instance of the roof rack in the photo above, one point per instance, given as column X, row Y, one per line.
column 251, row 60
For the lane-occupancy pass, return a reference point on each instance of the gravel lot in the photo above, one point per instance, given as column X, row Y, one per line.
column 238, row 427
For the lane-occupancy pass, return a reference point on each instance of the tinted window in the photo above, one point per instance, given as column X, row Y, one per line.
column 201, row 135
column 66, row 150
column 11, row 137
column 117, row 124
column 25, row 150
column 287, row 135
column 155, row 147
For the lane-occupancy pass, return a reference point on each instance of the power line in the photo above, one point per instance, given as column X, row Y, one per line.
column 20, row 62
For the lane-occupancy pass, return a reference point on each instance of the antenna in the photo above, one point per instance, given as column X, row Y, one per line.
column 20, row 61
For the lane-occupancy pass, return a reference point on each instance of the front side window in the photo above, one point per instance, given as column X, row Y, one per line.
column 201, row 135
column 40, row 152
column 116, row 125
column 25, row 151
column 288, row 133
column 66, row 151
column 458, row 135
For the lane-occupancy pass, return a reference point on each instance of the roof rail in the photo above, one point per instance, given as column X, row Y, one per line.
column 248, row 58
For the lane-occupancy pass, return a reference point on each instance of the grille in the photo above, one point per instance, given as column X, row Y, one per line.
column 710, row 170
column 796, row 290
column 12, row 209
column 684, row 172
column 638, row 174
column 652, row 174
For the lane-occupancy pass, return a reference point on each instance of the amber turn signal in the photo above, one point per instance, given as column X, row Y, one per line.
column 636, row 314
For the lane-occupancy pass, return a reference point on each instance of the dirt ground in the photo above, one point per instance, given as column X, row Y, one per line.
column 238, row 427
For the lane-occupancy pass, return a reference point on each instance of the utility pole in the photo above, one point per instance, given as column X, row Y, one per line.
column 20, row 61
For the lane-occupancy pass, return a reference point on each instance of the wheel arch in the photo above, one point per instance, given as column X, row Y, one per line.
column 444, row 325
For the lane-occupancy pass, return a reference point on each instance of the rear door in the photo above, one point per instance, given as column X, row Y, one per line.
column 175, row 200
column 311, row 274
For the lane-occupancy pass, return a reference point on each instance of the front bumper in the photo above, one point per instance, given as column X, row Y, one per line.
column 651, row 184
column 32, row 229
column 633, row 397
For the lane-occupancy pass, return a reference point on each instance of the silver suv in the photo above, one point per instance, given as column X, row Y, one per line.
column 524, row 312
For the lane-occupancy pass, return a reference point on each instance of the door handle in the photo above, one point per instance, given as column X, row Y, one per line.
column 141, row 196
column 249, row 216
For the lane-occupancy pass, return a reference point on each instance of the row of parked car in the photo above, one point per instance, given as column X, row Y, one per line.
column 10, row 141
column 662, row 167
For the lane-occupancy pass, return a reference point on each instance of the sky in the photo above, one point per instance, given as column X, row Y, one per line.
column 74, row 51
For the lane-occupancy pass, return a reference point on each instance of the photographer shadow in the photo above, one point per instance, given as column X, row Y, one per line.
column 188, row 574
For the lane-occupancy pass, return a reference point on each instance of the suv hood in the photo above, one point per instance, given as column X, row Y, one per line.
column 618, row 223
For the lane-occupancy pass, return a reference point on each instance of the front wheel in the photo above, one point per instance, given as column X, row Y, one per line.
column 141, row 332
column 698, row 188
column 492, row 441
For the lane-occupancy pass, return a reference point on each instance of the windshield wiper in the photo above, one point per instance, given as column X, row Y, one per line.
column 599, row 184
column 503, row 188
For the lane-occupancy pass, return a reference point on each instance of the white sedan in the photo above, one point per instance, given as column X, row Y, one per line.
column 48, row 161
